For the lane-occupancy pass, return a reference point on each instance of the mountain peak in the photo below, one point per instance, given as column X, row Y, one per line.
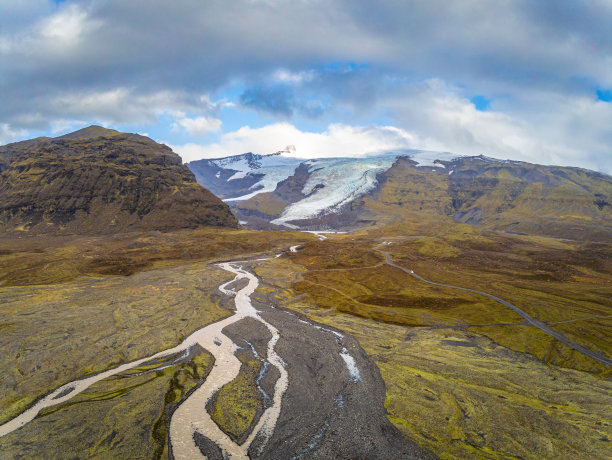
column 90, row 132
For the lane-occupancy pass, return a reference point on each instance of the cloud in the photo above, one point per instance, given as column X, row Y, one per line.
column 353, row 62
column 120, row 105
column 286, row 76
column 573, row 133
column 336, row 141
column 199, row 126
column 485, row 46
column 277, row 100
column 8, row 134
column 283, row 101
column 570, row 131
column 66, row 126
column 67, row 26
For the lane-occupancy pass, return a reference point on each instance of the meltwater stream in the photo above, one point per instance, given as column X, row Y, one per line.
column 191, row 416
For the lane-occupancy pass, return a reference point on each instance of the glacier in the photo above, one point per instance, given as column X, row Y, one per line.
column 343, row 180
column 332, row 182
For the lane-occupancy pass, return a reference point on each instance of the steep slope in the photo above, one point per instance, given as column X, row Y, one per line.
column 98, row 181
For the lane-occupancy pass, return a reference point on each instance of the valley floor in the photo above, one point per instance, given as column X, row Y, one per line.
column 378, row 363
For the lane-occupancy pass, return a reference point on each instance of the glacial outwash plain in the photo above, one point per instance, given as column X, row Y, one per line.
column 411, row 304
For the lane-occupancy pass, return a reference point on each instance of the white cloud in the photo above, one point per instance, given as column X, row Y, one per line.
column 53, row 35
column 8, row 134
column 65, row 126
column 545, row 128
column 67, row 25
column 199, row 126
column 125, row 105
column 286, row 76
column 337, row 141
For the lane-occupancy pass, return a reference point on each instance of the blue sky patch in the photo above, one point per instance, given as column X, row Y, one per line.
column 481, row 103
column 604, row 95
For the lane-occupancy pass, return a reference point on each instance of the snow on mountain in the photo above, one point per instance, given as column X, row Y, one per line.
column 331, row 182
column 275, row 169
column 427, row 158
column 334, row 183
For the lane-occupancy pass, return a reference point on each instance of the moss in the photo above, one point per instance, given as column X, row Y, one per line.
column 505, row 390
column 238, row 403
column 183, row 381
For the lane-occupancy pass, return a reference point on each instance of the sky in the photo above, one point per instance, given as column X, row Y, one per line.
column 526, row 80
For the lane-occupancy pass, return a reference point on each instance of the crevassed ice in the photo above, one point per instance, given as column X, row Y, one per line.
column 344, row 179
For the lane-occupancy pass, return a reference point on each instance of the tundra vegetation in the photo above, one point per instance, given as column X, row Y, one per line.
column 465, row 375
column 74, row 306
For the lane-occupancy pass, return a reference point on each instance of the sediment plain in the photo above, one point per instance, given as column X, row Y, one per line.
column 440, row 371
column 466, row 377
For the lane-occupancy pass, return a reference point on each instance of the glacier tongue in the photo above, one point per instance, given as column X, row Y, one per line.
column 343, row 180
column 332, row 183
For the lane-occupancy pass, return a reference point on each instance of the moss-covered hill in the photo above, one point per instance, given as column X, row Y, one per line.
column 100, row 181
column 511, row 196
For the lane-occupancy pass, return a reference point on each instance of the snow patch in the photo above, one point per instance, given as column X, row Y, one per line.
column 351, row 365
column 429, row 158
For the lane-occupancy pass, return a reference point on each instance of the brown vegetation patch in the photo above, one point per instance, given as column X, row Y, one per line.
column 406, row 301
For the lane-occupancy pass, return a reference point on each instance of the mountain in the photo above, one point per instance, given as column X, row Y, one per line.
column 243, row 176
column 269, row 191
column 100, row 181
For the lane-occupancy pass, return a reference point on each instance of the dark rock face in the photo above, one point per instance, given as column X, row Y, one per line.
column 98, row 181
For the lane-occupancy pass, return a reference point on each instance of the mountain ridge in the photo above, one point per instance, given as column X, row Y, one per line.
column 507, row 195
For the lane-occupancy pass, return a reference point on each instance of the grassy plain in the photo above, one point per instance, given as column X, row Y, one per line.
column 465, row 376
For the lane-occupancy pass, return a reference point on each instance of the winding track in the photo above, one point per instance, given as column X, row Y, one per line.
column 530, row 319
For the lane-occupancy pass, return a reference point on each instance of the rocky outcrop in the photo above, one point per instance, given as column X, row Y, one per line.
column 100, row 181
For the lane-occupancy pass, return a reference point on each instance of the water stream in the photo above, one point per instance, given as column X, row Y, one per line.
column 191, row 416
